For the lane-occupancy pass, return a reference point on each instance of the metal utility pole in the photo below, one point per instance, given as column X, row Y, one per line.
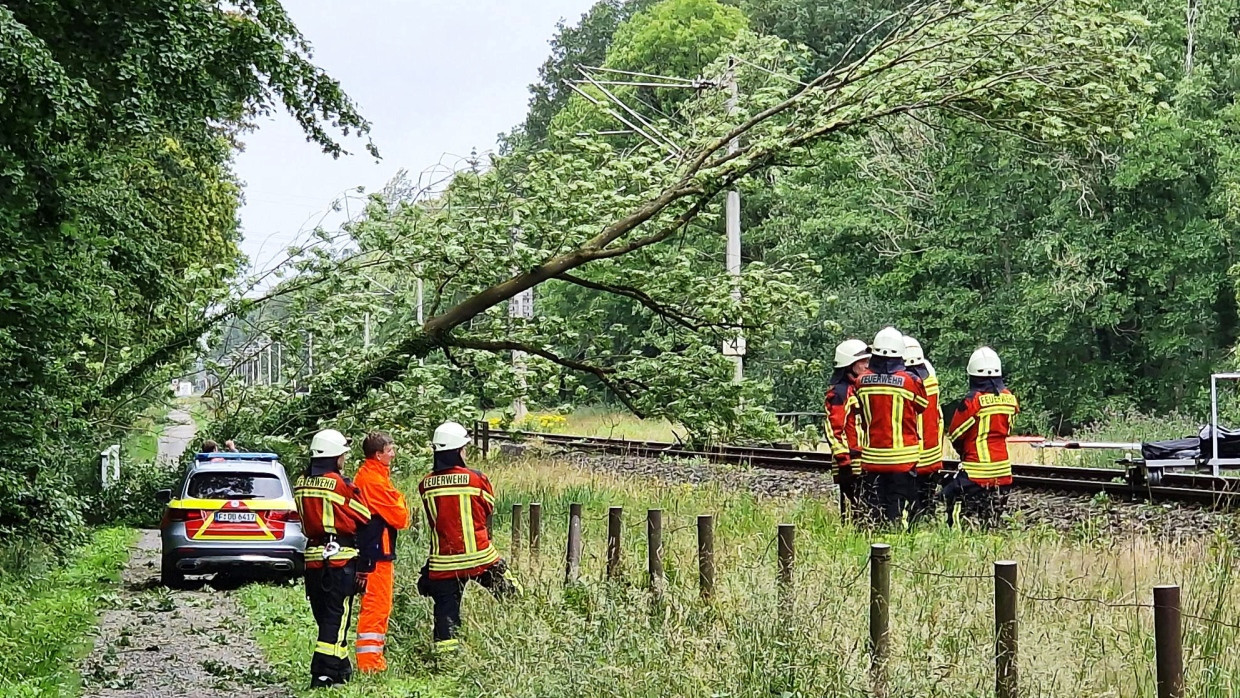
column 736, row 348
column 269, row 363
column 421, row 359
column 521, row 306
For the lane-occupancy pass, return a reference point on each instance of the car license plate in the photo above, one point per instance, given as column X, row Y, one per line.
column 235, row 516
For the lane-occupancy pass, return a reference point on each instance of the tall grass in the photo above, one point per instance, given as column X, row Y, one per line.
column 1085, row 627
column 46, row 614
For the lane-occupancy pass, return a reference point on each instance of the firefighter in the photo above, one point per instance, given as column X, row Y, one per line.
column 851, row 357
column 332, row 516
column 388, row 514
column 979, row 428
column 457, row 500
column 891, row 401
column 930, row 461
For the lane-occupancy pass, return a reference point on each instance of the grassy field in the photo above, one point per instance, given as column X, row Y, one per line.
column 45, row 617
column 1085, row 630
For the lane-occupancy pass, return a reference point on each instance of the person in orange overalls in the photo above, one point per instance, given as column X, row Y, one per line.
column 388, row 514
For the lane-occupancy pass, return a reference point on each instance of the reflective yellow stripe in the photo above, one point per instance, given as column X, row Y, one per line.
column 329, row 517
column 986, row 471
column 453, row 491
column 216, row 504
column 902, row 393
column 356, row 505
column 488, row 497
column 451, row 563
column 316, row 553
column 979, row 442
column 467, row 524
column 960, row 430
column 331, row 650
column 897, row 425
column 446, row 646
column 430, row 502
column 319, row 494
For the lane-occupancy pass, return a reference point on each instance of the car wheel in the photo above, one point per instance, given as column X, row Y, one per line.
column 169, row 575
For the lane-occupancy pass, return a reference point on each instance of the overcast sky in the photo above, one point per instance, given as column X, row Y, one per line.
column 435, row 77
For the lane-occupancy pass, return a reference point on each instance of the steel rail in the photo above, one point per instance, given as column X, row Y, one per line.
column 1128, row 483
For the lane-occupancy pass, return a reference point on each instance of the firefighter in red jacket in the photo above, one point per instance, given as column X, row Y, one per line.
column 891, row 402
column 332, row 516
column 458, row 501
column 851, row 357
column 389, row 513
column 979, row 429
column 930, row 461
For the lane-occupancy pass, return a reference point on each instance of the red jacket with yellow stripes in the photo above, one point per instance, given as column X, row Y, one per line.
column 458, row 502
column 930, row 423
column 330, row 508
column 890, row 405
column 841, row 408
column 979, row 430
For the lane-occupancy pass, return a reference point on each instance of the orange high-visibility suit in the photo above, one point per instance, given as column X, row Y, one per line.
column 389, row 513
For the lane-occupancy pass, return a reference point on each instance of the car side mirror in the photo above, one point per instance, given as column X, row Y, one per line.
column 163, row 496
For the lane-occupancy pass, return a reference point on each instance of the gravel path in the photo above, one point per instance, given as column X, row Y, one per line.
column 176, row 436
column 157, row 643
column 1063, row 512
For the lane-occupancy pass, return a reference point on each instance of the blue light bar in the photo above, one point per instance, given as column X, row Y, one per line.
column 229, row 455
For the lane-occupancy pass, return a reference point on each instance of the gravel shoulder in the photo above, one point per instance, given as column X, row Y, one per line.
column 158, row 643
column 1066, row 513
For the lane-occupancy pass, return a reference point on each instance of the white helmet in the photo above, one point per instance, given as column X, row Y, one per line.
column 985, row 362
column 888, row 342
column 449, row 436
column 850, row 351
column 913, row 355
column 328, row 443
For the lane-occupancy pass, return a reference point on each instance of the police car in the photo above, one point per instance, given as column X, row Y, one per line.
column 233, row 513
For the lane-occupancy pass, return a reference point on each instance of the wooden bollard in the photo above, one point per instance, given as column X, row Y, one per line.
column 535, row 526
column 615, row 524
column 787, row 554
column 654, row 548
column 706, row 555
column 1168, row 642
column 1005, row 629
column 517, row 511
column 572, row 562
column 486, row 439
column 880, row 598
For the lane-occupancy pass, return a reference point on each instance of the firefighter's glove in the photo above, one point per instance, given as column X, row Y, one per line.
column 359, row 582
column 844, row 474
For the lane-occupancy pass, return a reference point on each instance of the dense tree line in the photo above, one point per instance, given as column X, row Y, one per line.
column 118, row 214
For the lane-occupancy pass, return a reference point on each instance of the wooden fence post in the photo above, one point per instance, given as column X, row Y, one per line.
column 706, row 555
column 517, row 511
column 1005, row 629
column 535, row 527
column 572, row 565
column 880, row 602
column 787, row 555
column 1168, row 642
column 654, row 549
column 615, row 524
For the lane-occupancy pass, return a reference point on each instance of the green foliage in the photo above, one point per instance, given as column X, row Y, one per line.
column 131, row 500
column 118, row 208
column 45, row 616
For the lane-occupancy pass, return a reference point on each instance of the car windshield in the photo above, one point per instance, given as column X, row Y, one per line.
column 234, row 486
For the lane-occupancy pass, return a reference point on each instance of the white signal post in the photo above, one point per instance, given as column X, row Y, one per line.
column 734, row 348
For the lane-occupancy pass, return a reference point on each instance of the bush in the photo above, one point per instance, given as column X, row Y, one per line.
column 131, row 500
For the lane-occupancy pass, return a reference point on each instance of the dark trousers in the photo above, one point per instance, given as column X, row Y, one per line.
column 977, row 505
column 887, row 495
column 447, row 595
column 330, row 591
column 925, row 499
column 852, row 505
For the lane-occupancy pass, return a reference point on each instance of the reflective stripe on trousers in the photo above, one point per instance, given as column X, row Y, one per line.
column 372, row 622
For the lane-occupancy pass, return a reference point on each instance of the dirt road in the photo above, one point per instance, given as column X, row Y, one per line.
column 152, row 642
column 176, row 436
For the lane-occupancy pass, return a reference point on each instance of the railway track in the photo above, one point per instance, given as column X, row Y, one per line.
column 1131, row 483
